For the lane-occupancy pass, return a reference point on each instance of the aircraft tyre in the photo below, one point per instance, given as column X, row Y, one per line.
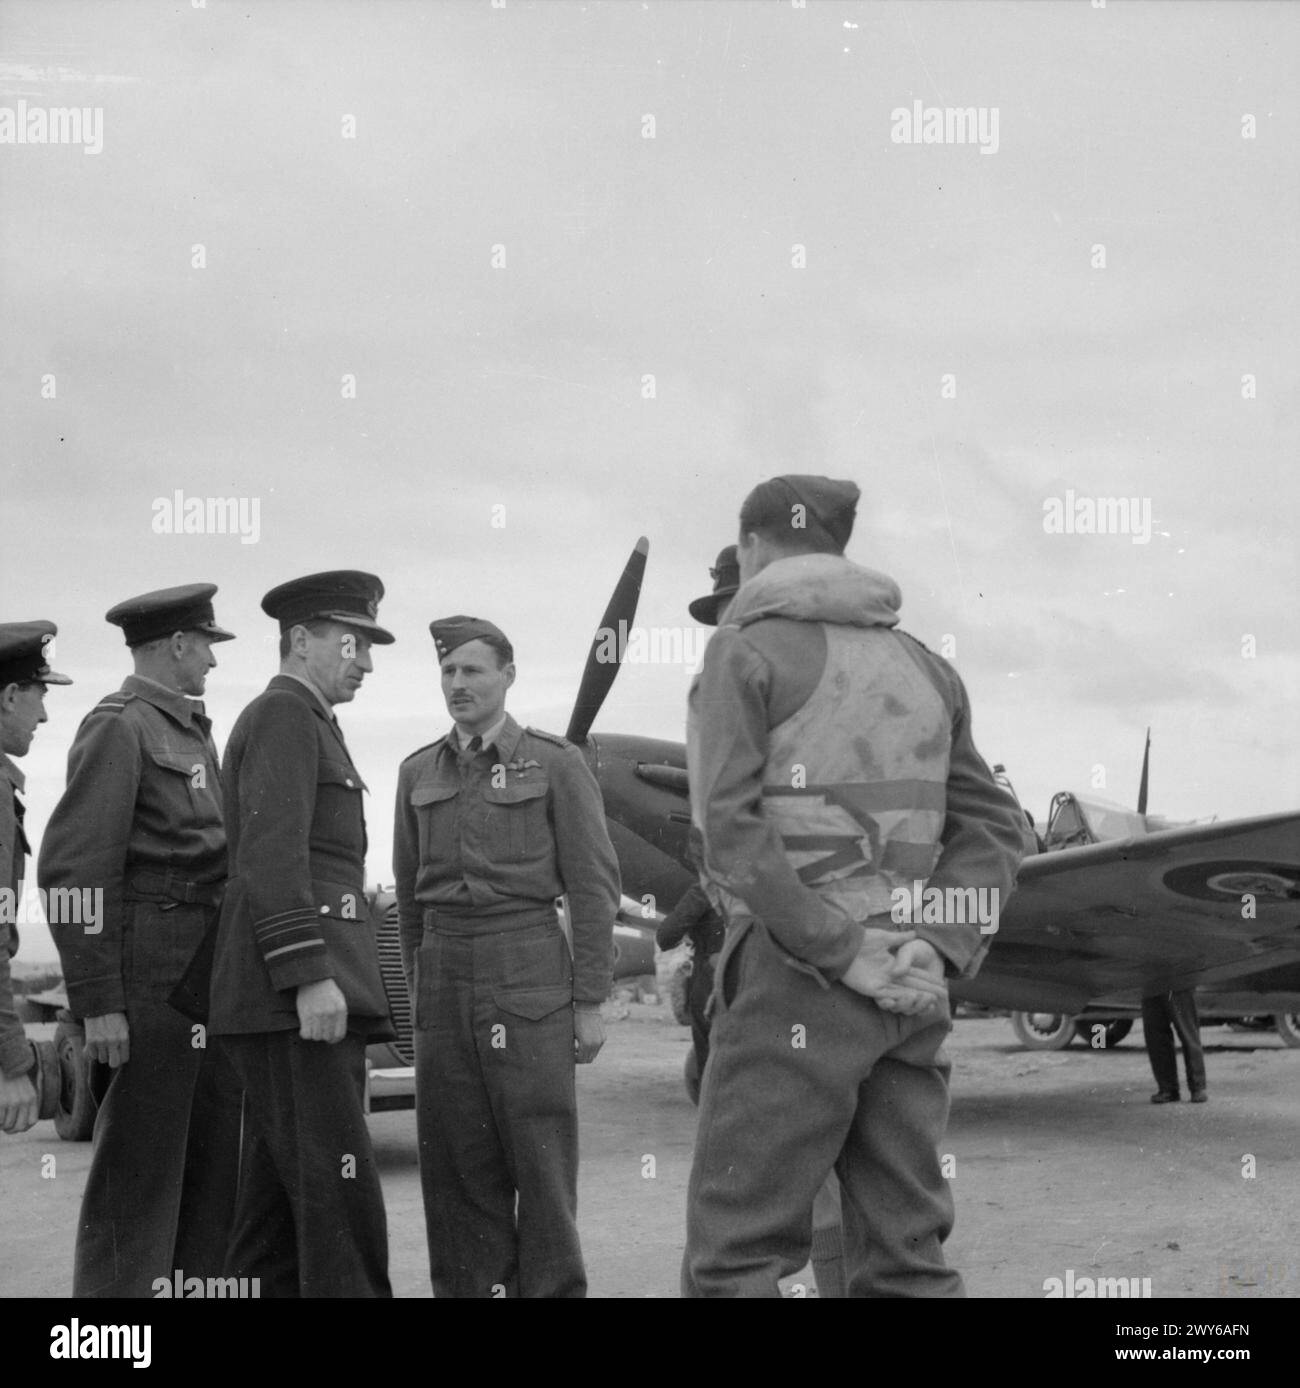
column 1288, row 1027
column 74, row 1119
column 1043, row 1031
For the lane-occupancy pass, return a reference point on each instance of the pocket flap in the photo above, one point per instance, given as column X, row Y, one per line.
column 513, row 792
column 533, row 1003
column 427, row 792
column 187, row 763
column 339, row 773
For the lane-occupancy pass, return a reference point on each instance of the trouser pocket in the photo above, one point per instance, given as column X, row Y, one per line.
column 726, row 976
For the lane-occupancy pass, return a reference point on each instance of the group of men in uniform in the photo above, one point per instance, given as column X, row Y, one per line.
column 831, row 762
column 230, row 981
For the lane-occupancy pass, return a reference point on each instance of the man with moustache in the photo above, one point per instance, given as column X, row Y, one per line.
column 24, row 676
column 296, row 991
column 493, row 823
column 141, row 820
column 831, row 762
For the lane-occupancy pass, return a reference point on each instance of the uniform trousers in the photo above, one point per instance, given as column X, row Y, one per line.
column 496, row 1107
column 802, row 1079
column 160, row 1192
column 310, row 1219
column 1162, row 1015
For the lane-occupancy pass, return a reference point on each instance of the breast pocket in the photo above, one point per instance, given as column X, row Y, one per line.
column 517, row 825
column 432, row 801
column 193, row 767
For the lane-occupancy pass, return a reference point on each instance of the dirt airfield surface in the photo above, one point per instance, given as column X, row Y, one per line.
column 1061, row 1165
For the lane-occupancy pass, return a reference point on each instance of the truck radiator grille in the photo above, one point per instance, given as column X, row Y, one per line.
column 390, row 967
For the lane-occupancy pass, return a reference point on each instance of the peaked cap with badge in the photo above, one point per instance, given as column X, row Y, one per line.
column 338, row 595
column 726, row 580
column 23, row 647
column 167, row 610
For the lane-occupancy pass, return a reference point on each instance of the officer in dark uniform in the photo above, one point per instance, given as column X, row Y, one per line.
column 24, row 675
column 141, row 822
column 296, row 990
column 493, row 823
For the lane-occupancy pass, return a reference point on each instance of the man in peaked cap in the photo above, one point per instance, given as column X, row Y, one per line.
column 139, row 830
column 296, row 990
column 493, row 823
column 831, row 763
column 24, row 675
column 726, row 579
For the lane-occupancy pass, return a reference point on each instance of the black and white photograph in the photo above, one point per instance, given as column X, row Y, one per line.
column 649, row 649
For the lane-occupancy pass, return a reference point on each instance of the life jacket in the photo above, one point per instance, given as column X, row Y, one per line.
column 855, row 780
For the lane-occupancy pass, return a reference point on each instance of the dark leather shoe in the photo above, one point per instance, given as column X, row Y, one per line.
column 1166, row 1096
column 1199, row 1096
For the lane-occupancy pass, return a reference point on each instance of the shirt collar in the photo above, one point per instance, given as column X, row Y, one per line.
column 320, row 698
column 489, row 738
column 171, row 701
column 505, row 734
column 9, row 770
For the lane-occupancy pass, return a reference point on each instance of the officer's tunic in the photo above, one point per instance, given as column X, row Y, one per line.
column 483, row 845
column 141, row 821
column 15, row 1052
column 311, row 1212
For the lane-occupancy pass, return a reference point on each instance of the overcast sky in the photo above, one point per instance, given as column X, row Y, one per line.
column 798, row 283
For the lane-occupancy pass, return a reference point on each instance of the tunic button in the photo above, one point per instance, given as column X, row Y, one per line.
column 324, row 910
column 348, row 783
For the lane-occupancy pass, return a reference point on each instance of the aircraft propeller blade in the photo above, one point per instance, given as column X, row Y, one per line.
column 1146, row 766
column 599, row 674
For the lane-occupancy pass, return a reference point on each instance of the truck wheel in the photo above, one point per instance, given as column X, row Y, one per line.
column 1043, row 1031
column 74, row 1120
column 1116, row 1031
column 1288, row 1027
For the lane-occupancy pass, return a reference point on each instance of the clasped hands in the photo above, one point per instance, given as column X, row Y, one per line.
column 898, row 971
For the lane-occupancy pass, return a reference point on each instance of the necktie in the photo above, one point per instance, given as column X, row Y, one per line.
column 467, row 754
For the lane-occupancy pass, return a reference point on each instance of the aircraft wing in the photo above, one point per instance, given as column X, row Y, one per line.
column 1109, row 921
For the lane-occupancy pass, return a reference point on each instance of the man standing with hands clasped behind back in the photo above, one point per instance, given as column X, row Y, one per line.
column 296, row 988
column 493, row 823
column 831, row 763
column 141, row 819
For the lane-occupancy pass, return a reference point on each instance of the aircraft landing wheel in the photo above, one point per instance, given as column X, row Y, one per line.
column 1043, row 1031
column 74, row 1121
column 1288, row 1027
column 1115, row 1031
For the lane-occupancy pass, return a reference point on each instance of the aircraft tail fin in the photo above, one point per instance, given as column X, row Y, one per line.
column 1146, row 766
